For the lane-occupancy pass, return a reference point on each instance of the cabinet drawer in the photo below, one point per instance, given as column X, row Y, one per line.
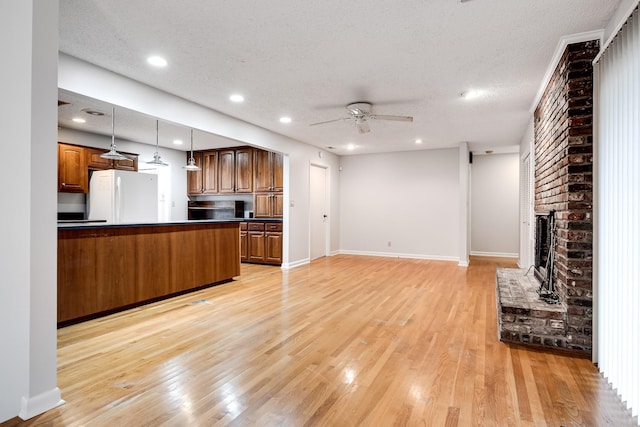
column 273, row 226
column 243, row 226
column 256, row 226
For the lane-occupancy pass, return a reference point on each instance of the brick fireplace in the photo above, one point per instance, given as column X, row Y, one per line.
column 563, row 148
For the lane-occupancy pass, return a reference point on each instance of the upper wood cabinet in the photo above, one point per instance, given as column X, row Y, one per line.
column 268, row 171
column 235, row 170
column 95, row 162
column 75, row 161
column 204, row 181
column 227, row 171
column 72, row 169
column 210, row 172
column 223, row 172
column 244, row 170
column 194, row 178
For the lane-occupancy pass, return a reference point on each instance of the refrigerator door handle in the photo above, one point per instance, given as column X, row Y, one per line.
column 118, row 200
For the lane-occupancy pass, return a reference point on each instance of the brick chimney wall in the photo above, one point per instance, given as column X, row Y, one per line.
column 564, row 183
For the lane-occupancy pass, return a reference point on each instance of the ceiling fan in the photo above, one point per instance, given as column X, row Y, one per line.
column 360, row 113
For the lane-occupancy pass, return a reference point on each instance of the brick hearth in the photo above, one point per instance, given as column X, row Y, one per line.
column 522, row 316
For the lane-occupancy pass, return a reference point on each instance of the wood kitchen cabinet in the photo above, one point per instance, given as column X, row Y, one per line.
column 194, row 178
column 204, row 181
column 73, row 176
column 235, row 169
column 244, row 170
column 210, row 172
column 264, row 243
column 226, row 171
column 75, row 162
column 95, row 162
column 273, row 244
column 268, row 184
column 268, row 205
column 268, row 171
column 244, row 242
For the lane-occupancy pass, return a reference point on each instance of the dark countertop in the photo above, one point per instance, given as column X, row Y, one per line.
column 66, row 225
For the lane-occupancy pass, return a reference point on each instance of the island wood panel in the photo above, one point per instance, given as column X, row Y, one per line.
column 103, row 269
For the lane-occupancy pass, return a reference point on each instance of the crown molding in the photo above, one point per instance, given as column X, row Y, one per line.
column 562, row 45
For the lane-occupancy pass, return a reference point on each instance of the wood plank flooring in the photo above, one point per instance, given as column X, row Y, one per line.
column 344, row 341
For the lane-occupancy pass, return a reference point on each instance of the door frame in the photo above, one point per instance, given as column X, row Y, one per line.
column 327, row 197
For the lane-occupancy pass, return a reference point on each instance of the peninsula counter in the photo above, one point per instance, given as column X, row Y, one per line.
column 103, row 268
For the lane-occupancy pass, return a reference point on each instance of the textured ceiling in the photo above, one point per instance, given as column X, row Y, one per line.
column 307, row 60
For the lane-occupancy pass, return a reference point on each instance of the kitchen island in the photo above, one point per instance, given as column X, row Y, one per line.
column 103, row 268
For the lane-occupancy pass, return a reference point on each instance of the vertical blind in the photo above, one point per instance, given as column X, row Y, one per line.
column 617, row 132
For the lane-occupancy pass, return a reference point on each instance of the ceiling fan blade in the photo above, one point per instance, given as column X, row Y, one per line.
column 395, row 118
column 363, row 126
column 330, row 121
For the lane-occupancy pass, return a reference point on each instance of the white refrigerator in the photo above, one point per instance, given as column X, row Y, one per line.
column 123, row 197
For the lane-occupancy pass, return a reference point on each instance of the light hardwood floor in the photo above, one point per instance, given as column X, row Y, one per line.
column 344, row 341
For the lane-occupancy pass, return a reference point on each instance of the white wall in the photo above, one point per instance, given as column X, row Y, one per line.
column 176, row 198
column 495, row 205
column 89, row 80
column 28, row 38
column 410, row 199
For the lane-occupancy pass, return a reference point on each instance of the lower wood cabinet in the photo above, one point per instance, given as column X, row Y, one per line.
column 261, row 242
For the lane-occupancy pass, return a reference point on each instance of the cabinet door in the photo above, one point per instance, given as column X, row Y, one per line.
column 210, row 172
column 277, row 205
column 244, row 246
column 226, row 171
column 256, row 246
column 262, row 171
column 130, row 164
column 244, row 170
column 273, row 248
column 277, row 171
column 72, row 169
column 262, row 205
column 194, row 178
column 94, row 161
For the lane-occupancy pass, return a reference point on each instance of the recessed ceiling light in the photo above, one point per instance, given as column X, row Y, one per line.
column 285, row 119
column 92, row 112
column 418, row 141
column 177, row 142
column 78, row 120
column 157, row 61
column 236, row 98
column 351, row 147
column 472, row 94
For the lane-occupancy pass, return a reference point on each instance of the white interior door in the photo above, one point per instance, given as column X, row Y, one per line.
column 318, row 212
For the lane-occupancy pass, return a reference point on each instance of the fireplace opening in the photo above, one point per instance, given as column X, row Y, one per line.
column 544, row 256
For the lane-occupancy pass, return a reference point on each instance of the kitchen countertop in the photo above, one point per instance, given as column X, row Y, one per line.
column 102, row 224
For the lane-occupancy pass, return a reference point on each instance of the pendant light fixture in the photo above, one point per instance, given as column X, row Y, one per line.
column 191, row 164
column 156, row 156
column 112, row 154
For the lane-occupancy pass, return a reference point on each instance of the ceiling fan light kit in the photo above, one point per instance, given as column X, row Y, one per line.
column 360, row 113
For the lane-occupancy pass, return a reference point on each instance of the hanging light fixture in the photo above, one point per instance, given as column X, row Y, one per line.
column 191, row 164
column 112, row 154
column 156, row 156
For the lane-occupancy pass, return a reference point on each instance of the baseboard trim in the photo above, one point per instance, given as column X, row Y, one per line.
column 295, row 264
column 36, row 405
column 399, row 255
column 495, row 254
